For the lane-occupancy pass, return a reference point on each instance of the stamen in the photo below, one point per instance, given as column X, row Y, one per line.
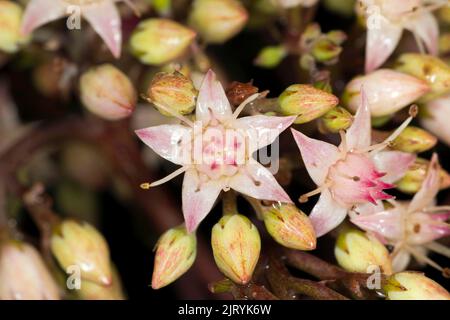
column 423, row 258
column 439, row 248
column 419, row 43
column 170, row 111
column 304, row 197
column 437, row 209
column 244, row 103
column 343, row 145
column 177, row 172
column 133, row 7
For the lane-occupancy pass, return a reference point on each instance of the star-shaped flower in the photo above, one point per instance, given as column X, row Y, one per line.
column 353, row 174
column 215, row 151
column 386, row 20
column 411, row 227
column 102, row 15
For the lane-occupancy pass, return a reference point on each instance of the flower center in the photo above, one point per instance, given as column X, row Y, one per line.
column 354, row 180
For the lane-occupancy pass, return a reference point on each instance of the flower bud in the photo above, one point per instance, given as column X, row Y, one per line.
column 306, row 101
column 271, row 56
column 414, row 177
column 174, row 91
column 444, row 14
column 356, row 251
column 387, row 91
column 410, row 285
column 158, row 41
column 414, row 139
column 92, row 291
column 290, row 227
column 428, row 68
column 444, row 43
column 217, row 20
column 337, row 119
column 80, row 244
column 107, row 92
column 11, row 18
column 236, row 245
column 23, row 274
column 175, row 253
column 325, row 50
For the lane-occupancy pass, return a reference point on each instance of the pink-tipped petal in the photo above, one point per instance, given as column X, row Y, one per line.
column 104, row 18
column 40, row 12
column 358, row 136
column 387, row 223
column 381, row 42
column 169, row 141
column 212, row 101
column 429, row 189
column 317, row 155
column 258, row 182
column 393, row 163
column 198, row 198
column 263, row 130
column 426, row 28
column 366, row 209
column 327, row 214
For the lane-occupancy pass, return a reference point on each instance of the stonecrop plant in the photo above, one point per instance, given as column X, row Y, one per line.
column 311, row 136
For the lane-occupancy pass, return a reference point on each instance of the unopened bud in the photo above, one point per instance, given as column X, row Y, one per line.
column 290, row 227
column 325, row 50
column 175, row 253
column 387, row 91
column 23, row 274
column 428, row 68
column 158, row 41
column 236, row 246
column 11, row 18
column 356, row 251
column 337, row 119
column 107, row 92
column 444, row 43
column 92, row 291
column 414, row 139
column 410, row 285
column 444, row 14
column 79, row 244
column 162, row 6
column 173, row 91
column 270, row 57
column 307, row 102
column 217, row 20
column 414, row 177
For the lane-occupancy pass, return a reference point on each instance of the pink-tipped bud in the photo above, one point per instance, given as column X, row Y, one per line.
column 413, row 286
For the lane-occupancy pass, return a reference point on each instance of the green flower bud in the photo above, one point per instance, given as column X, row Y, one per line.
column 337, row 119
column 428, row 68
column 175, row 253
column 444, row 14
column 162, row 6
column 158, row 41
column 306, row 101
column 444, row 43
column 410, row 285
column 11, row 18
column 236, row 246
column 355, row 251
column 217, row 20
column 174, row 91
column 290, row 227
column 325, row 50
column 270, row 57
column 80, row 244
column 414, row 139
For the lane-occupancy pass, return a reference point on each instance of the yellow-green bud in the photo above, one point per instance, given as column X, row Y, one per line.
column 290, row 227
column 174, row 91
column 270, row 57
column 337, row 119
column 344, row 8
column 414, row 139
column 107, row 92
column 162, row 6
column 356, row 251
column 175, row 253
column 11, row 19
column 92, row 291
column 236, row 246
column 444, row 14
column 444, row 43
column 428, row 68
column 325, row 50
column 80, row 244
column 414, row 177
column 217, row 20
column 158, row 41
column 306, row 101
column 410, row 285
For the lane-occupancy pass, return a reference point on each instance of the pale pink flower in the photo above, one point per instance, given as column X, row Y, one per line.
column 354, row 174
column 411, row 227
column 211, row 151
column 436, row 118
column 102, row 15
column 386, row 20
